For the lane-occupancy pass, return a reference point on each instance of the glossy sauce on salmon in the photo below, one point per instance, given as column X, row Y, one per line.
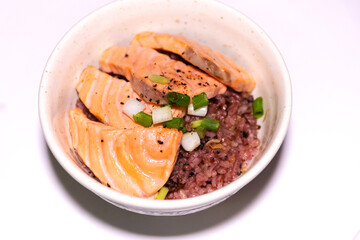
column 136, row 161
column 137, row 63
column 208, row 60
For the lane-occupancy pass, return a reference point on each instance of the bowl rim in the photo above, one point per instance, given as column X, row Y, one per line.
column 179, row 204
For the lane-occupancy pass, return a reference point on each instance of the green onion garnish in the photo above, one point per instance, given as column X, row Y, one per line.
column 143, row 119
column 257, row 107
column 158, row 79
column 208, row 124
column 177, row 123
column 178, row 99
column 201, row 131
column 196, row 124
column 200, row 100
column 162, row 193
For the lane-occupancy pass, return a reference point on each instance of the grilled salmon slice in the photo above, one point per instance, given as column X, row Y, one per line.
column 105, row 97
column 136, row 161
column 208, row 60
column 136, row 63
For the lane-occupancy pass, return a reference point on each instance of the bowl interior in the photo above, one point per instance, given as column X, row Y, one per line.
column 208, row 22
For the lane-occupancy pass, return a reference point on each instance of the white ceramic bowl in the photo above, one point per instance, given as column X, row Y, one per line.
column 207, row 22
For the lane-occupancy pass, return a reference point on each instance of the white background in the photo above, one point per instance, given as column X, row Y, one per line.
column 309, row 191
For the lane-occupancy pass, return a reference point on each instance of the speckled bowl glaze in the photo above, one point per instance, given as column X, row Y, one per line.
column 208, row 22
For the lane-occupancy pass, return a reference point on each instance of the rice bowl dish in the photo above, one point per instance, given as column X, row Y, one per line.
column 232, row 34
column 139, row 91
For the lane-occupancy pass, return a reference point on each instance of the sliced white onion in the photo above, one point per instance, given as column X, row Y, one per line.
column 201, row 112
column 132, row 107
column 161, row 114
column 190, row 141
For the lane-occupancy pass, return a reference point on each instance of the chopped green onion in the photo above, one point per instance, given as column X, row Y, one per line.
column 208, row 124
column 177, row 123
column 257, row 107
column 201, row 131
column 178, row 99
column 196, row 124
column 132, row 107
column 158, row 79
column 201, row 112
column 162, row 193
column 143, row 119
column 161, row 114
column 190, row 141
column 200, row 100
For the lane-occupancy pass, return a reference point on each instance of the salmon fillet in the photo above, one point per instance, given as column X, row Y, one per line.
column 136, row 161
column 136, row 63
column 105, row 97
column 208, row 60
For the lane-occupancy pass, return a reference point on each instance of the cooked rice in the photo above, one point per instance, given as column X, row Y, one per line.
column 213, row 165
